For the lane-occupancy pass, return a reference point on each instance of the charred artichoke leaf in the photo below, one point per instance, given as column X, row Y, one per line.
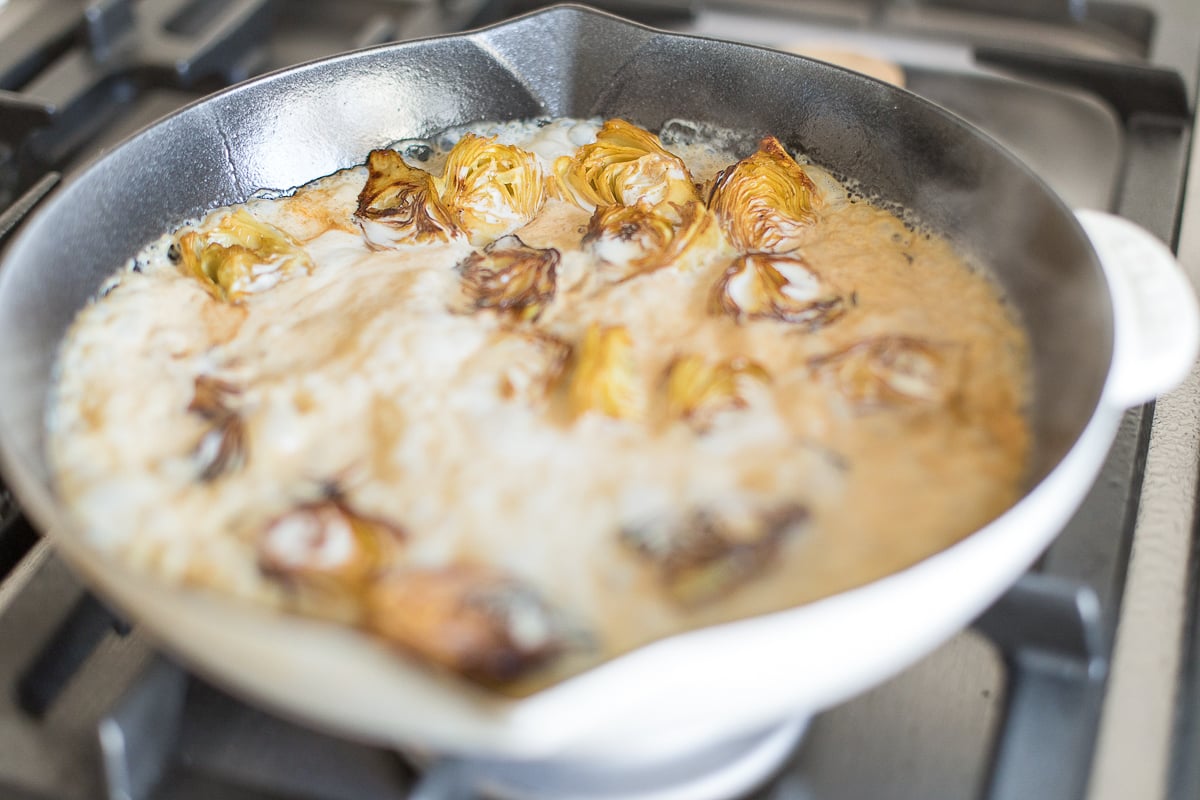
column 481, row 624
column 887, row 371
column 510, row 277
column 624, row 165
column 786, row 288
column 697, row 389
column 399, row 205
column 764, row 202
column 241, row 255
column 222, row 448
column 491, row 189
column 603, row 376
column 637, row 239
column 703, row 556
column 328, row 547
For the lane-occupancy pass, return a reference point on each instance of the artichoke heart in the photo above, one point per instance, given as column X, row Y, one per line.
column 491, row 189
column 697, row 389
column 240, row 256
column 765, row 202
column 641, row 238
column 702, row 556
column 625, row 164
column 399, row 205
column 603, row 375
column 887, row 371
column 763, row 286
column 510, row 277
column 328, row 548
column 479, row 623
column 222, row 447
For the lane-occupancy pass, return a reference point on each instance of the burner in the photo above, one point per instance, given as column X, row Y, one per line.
column 716, row 772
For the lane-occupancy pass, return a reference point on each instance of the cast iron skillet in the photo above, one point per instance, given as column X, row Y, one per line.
column 293, row 126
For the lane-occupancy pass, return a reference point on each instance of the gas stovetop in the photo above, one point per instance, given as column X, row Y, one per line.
column 1066, row 688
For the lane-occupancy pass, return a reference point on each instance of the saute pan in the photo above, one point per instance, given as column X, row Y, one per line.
column 1111, row 318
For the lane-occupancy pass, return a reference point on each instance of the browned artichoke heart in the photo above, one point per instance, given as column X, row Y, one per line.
column 491, row 189
column 222, row 448
column 625, row 164
column 633, row 240
column 603, row 375
column 399, row 205
column 328, row 547
column 485, row 626
column 765, row 202
column 702, row 556
column 887, row 371
column 763, row 286
column 240, row 256
column 697, row 389
column 511, row 278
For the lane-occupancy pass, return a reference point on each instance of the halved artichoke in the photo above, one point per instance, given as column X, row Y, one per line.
column 641, row 238
column 222, row 448
column 697, row 389
column 887, row 371
column 625, row 165
column 702, row 556
column 399, row 205
column 765, row 286
column 765, row 202
column 479, row 623
column 328, row 548
column 491, row 189
column 241, row 255
column 510, row 277
column 603, row 375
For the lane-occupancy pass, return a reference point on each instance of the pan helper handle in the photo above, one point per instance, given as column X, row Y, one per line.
column 1155, row 313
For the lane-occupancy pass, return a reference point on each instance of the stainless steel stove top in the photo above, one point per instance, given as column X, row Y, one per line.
column 1068, row 688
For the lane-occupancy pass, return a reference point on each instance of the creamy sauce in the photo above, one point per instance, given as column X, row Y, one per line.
column 370, row 373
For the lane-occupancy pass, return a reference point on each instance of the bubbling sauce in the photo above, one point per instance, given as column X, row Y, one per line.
column 515, row 445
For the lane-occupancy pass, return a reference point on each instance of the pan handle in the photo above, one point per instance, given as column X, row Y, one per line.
column 1156, row 317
